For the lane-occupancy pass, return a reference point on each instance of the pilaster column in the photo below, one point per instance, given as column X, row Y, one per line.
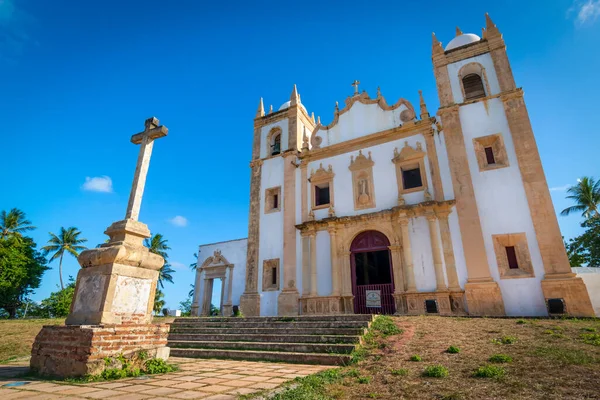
column 346, row 274
column 222, row 296
column 408, row 260
column 206, row 297
column 229, row 284
column 396, row 252
column 198, row 292
column 304, row 189
column 313, row 263
column 335, row 264
column 448, row 250
column 436, row 251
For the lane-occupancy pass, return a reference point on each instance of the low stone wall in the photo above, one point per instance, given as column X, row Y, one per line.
column 72, row 351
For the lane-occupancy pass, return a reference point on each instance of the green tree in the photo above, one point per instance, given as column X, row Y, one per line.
column 165, row 274
column 14, row 222
column 21, row 270
column 159, row 301
column 67, row 240
column 586, row 195
column 194, row 265
column 585, row 248
column 158, row 245
column 58, row 304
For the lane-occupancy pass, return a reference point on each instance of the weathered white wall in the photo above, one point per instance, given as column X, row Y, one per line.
column 361, row 120
column 235, row 252
column 264, row 134
column 271, row 231
column 420, row 244
column 384, row 179
column 591, row 278
column 502, row 205
column 486, row 61
column 445, row 176
column 324, row 283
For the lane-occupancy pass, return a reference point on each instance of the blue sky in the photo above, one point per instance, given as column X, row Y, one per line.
column 79, row 78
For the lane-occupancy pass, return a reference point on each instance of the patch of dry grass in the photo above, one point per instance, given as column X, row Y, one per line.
column 550, row 360
column 17, row 336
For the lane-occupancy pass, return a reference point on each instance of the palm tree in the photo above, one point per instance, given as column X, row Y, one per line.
column 67, row 240
column 14, row 223
column 158, row 245
column 159, row 301
column 194, row 265
column 165, row 275
column 586, row 195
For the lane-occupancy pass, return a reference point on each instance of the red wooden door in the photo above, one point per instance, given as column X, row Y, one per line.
column 372, row 271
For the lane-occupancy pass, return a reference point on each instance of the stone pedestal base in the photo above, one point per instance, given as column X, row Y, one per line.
column 572, row 291
column 400, row 302
column 324, row 305
column 75, row 351
column 287, row 303
column 415, row 302
column 348, row 304
column 227, row 310
column 484, row 298
column 250, row 304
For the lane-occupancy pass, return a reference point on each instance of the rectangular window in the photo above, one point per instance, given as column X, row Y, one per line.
column 275, row 201
column 322, row 194
column 274, row 276
column 511, row 254
column 489, row 156
column 411, row 178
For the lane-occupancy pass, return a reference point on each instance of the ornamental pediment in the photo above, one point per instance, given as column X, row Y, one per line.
column 215, row 261
column 408, row 152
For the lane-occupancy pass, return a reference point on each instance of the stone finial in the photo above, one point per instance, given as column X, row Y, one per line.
column 490, row 28
column 483, row 33
column 424, row 112
column 312, row 116
column 337, row 107
column 260, row 112
column 331, row 211
column 436, row 45
column 318, row 120
column 378, row 92
column 458, row 31
column 271, row 109
column 401, row 201
column 427, row 195
column 370, row 159
column 304, row 141
column 311, row 215
column 294, row 98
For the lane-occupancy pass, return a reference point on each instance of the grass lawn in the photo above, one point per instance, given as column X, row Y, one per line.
column 543, row 359
column 17, row 336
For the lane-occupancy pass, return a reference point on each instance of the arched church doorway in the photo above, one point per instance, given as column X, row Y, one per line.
column 372, row 277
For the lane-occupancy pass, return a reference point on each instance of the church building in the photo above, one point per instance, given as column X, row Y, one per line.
column 390, row 209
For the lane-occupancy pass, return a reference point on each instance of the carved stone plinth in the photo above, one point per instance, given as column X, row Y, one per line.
column 287, row 303
column 571, row 290
column 74, row 351
column 321, row 305
column 484, row 298
column 117, row 281
column 250, row 304
column 415, row 302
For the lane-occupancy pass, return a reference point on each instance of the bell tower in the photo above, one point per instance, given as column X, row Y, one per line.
column 496, row 171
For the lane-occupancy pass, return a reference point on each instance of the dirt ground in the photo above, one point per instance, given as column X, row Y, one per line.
column 550, row 360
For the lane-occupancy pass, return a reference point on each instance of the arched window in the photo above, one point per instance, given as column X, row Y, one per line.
column 473, row 87
column 276, row 144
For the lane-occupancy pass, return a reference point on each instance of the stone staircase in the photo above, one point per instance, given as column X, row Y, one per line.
column 325, row 340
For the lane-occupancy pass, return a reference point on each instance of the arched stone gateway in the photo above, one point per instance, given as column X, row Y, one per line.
column 372, row 274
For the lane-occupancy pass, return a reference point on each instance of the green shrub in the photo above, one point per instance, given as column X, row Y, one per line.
column 385, row 325
column 505, row 340
column 352, row 373
column 363, row 379
column 114, row 373
column 415, row 357
column 489, row 371
column 453, row 350
column 400, row 372
column 500, row 358
column 591, row 338
column 158, row 366
column 521, row 322
column 588, row 329
column 436, row 371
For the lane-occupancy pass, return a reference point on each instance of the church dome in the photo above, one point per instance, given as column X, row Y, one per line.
column 287, row 105
column 462, row 40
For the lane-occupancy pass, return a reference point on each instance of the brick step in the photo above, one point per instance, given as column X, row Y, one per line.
column 348, row 317
column 302, row 358
column 225, row 337
column 271, row 331
column 266, row 346
column 274, row 325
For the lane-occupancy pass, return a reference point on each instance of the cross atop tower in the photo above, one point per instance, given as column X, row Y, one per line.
column 355, row 84
column 146, row 138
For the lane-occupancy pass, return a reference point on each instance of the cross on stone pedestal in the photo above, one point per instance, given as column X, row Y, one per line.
column 146, row 138
column 355, row 84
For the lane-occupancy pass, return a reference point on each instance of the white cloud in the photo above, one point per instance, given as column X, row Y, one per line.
column 98, row 184
column 177, row 265
column 559, row 188
column 587, row 11
column 178, row 220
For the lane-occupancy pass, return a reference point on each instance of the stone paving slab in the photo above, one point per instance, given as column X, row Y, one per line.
column 196, row 379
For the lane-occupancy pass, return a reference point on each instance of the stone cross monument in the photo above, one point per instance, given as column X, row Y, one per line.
column 114, row 293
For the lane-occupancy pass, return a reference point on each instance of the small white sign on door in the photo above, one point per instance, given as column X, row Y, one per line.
column 373, row 298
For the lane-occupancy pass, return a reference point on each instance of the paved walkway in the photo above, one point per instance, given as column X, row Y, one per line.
column 196, row 379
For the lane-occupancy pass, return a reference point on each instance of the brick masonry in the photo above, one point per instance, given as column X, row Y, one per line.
column 72, row 351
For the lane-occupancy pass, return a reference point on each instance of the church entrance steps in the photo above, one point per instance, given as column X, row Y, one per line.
column 339, row 339
column 326, row 340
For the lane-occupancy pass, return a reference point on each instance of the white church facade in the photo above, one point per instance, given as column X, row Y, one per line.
column 389, row 209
